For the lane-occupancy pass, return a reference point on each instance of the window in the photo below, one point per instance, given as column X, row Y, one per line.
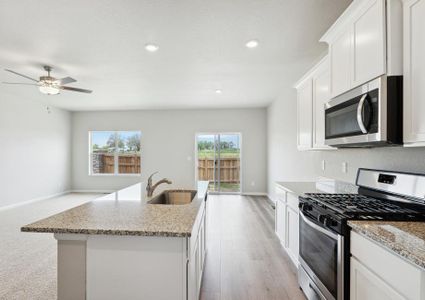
column 115, row 152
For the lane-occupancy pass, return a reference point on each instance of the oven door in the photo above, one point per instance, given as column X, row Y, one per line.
column 322, row 258
column 352, row 120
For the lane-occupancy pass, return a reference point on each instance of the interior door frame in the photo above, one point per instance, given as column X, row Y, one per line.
column 240, row 158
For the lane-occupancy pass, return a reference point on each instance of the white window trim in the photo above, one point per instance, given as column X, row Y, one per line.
column 116, row 166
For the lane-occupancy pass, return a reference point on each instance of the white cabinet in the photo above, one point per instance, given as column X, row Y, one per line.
column 312, row 94
column 340, row 55
column 365, row 285
column 369, row 43
column 292, row 234
column 286, row 223
column 304, row 115
column 321, row 95
column 196, row 260
column 378, row 274
column 280, row 215
column 414, row 73
column 364, row 43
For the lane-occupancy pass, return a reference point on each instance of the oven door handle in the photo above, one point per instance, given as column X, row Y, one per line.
column 359, row 114
column 319, row 228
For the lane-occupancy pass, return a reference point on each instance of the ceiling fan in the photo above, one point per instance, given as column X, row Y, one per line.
column 48, row 84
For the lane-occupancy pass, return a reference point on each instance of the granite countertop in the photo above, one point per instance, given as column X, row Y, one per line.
column 406, row 239
column 125, row 212
column 319, row 186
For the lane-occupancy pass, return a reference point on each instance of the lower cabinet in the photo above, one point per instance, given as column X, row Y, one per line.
column 286, row 222
column 292, row 234
column 195, row 263
column 365, row 285
column 379, row 274
column 280, row 220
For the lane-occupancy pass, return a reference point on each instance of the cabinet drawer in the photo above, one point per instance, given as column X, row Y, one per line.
column 292, row 201
column 405, row 278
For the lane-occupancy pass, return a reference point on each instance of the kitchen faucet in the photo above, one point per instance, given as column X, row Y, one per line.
column 151, row 188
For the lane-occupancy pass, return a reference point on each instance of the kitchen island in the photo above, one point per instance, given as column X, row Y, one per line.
column 121, row 247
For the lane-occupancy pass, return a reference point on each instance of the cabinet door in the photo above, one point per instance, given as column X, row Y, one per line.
column 280, row 221
column 369, row 57
column 292, row 238
column 414, row 72
column 305, row 115
column 321, row 95
column 365, row 285
column 340, row 54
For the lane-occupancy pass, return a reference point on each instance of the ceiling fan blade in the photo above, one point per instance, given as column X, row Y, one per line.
column 73, row 89
column 19, row 74
column 66, row 80
column 20, row 83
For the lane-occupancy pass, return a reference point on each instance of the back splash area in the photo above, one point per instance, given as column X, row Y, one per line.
column 388, row 158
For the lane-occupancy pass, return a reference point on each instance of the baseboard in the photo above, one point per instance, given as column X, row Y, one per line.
column 255, row 194
column 94, row 191
column 11, row 206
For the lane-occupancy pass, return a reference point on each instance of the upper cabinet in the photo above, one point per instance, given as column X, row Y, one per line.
column 414, row 73
column 321, row 95
column 364, row 44
column 340, row 56
column 304, row 115
column 312, row 94
column 369, row 43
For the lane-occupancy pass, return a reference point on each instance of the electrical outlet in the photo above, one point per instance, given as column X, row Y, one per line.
column 323, row 165
column 252, row 183
column 344, row 167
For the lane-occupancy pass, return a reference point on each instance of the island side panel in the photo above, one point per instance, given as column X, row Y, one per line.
column 130, row 267
column 71, row 284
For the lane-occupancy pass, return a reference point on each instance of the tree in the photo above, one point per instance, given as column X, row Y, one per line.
column 133, row 143
column 111, row 142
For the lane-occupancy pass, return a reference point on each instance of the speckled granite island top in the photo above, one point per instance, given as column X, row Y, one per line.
column 125, row 212
column 406, row 239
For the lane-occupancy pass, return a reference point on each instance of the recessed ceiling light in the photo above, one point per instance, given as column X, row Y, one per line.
column 218, row 91
column 251, row 44
column 151, row 47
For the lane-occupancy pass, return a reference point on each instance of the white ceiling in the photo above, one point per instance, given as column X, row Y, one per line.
column 202, row 48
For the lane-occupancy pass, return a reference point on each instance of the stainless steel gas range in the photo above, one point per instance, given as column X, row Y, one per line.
column 324, row 234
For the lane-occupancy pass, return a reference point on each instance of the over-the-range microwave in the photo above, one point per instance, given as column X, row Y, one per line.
column 368, row 116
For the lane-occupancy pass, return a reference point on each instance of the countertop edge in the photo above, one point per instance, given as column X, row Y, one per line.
column 387, row 245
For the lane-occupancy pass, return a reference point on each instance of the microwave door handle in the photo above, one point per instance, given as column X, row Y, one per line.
column 359, row 114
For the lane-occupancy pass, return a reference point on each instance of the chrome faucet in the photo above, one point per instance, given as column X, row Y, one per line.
column 151, row 188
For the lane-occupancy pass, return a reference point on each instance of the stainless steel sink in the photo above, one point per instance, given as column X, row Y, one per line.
column 174, row 197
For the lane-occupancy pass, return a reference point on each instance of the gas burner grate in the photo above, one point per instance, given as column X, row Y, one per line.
column 355, row 204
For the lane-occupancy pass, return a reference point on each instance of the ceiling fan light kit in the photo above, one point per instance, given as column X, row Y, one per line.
column 49, row 90
column 49, row 85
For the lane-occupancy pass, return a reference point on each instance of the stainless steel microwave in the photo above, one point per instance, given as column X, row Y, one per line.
column 368, row 116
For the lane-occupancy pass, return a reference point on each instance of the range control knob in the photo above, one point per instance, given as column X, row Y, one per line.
column 329, row 222
column 305, row 206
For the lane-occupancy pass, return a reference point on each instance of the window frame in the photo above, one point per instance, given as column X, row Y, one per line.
column 116, row 152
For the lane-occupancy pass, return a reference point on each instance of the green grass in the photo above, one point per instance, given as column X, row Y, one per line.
column 224, row 153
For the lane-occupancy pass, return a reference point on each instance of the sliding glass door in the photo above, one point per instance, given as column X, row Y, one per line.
column 218, row 161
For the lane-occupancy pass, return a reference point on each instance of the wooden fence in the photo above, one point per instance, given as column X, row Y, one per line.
column 229, row 169
column 127, row 163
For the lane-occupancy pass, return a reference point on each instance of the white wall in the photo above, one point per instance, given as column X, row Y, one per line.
column 285, row 162
column 35, row 158
column 168, row 139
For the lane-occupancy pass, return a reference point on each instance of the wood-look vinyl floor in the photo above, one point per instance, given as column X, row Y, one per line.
column 245, row 259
